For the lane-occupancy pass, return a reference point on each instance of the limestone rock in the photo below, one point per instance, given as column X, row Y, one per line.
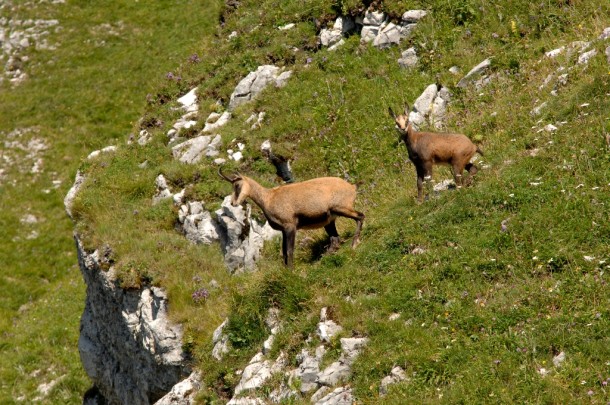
column 221, row 341
column 189, row 101
column 475, row 72
column 216, row 121
column 396, row 375
column 128, row 346
column 375, row 18
column 307, row 371
column 163, row 191
column 241, row 236
column 193, row 150
column 585, row 57
column 333, row 374
column 71, row 195
column 250, row 86
column 97, row 153
column 413, row 16
column 184, row 392
column 340, row 396
column 389, row 34
column 408, row 58
column 605, row 34
column 607, row 52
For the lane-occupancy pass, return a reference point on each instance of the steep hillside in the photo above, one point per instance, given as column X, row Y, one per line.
column 490, row 293
column 73, row 77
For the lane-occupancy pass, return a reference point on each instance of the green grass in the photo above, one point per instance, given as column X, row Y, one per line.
column 80, row 97
column 482, row 310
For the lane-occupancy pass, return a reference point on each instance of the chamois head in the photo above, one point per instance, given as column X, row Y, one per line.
column 402, row 121
column 241, row 188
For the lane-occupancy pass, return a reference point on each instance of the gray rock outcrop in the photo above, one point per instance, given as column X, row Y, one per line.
column 130, row 350
column 250, row 86
column 184, row 392
column 408, row 58
column 431, row 105
column 241, row 236
column 193, row 150
column 475, row 73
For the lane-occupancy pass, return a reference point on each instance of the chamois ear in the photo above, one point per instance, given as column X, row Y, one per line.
column 391, row 112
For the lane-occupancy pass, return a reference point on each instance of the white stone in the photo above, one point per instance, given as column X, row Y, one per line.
column 369, row 33
column 408, row 58
column 555, row 52
column 286, row 27
column 375, row 18
column 474, row 72
column 390, row 34
column 333, row 374
column 344, row 24
column 413, row 16
column 144, row 138
column 538, row 109
column 550, row 128
column 454, row 70
column 340, row 396
column 605, row 34
column 220, row 121
column 71, row 195
column 330, row 37
column 184, row 392
column 193, row 150
column 107, row 149
column 189, row 100
column 425, row 101
column 250, row 86
column 585, row 57
column 337, row 45
column 327, row 330
column 559, row 359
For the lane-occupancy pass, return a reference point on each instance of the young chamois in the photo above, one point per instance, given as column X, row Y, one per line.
column 429, row 148
column 309, row 204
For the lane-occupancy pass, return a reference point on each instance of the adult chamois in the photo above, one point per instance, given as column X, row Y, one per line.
column 309, row 204
column 429, row 148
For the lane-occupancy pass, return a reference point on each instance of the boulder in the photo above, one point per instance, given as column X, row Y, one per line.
column 250, row 86
column 193, row 150
column 413, row 16
column 475, row 72
column 340, row 396
column 408, row 58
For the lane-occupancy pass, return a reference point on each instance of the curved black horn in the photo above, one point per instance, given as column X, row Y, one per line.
column 221, row 174
column 392, row 114
column 407, row 108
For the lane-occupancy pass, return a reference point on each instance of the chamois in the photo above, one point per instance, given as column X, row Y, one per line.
column 309, row 204
column 428, row 148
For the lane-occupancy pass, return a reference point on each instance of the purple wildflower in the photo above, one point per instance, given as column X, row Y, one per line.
column 590, row 392
column 194, row 58
column 169, row 76
column 200, row 295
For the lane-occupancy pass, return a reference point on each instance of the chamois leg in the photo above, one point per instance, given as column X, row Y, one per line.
column 457, row 170
column 472, row 170
column 356, row 216
column 331, row 230
column 288, row 237
column 424, row 178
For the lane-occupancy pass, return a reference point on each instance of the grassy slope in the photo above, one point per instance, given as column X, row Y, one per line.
column 80, row 97
column 482, row 310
